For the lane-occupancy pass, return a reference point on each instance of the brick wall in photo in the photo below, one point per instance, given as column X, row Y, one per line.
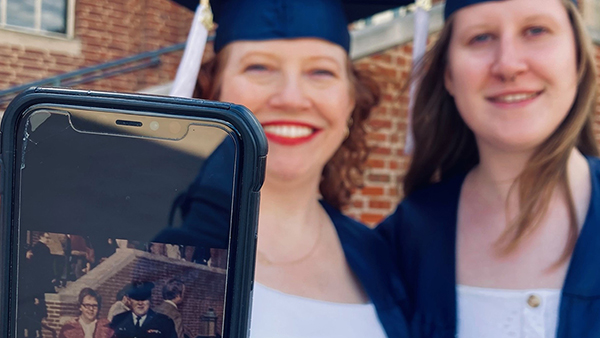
column 205, row 288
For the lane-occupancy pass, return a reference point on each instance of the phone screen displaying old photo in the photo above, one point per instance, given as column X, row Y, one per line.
column 105, row 242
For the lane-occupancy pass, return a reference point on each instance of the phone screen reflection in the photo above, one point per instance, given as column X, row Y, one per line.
column 91, row 206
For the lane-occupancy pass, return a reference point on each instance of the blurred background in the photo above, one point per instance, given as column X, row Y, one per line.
column 136, row 45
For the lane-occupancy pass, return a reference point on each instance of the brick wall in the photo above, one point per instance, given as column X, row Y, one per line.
column 110, row 30
column 387, row 162
column 107, row 30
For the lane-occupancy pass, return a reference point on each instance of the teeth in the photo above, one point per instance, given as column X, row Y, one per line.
column 514, row 98
column 291, row 131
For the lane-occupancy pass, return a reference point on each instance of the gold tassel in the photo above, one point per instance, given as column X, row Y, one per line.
column 425, row 4
column 207, row 15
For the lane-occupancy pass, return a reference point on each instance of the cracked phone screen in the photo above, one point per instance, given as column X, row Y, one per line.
column 114, row 225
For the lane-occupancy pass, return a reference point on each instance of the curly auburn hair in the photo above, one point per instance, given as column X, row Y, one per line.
column 343, row 173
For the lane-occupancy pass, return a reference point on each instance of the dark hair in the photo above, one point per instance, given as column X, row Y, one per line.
column 445, row 146
column 123, row 292
column 91, row 293
column 173, row 288
column 343, row 173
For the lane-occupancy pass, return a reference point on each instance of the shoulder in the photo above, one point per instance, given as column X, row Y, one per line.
column 435, row 196
column 354, row 235
column 433, row 206
column 103, row 322
column 166, row 308
column 594, row 163
column 344, row 222
column 369, row 257
column 120, row 318
column 70, row 325
column 160, row 318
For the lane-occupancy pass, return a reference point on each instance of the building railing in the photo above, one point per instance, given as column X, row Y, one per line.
column 152, row 59
column 101, row 71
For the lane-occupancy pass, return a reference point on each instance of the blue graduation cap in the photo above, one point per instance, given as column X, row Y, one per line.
column 270, row 19
column 454, row 5
column 284, row 19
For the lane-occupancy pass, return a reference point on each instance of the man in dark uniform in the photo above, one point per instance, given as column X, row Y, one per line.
column 141, row 321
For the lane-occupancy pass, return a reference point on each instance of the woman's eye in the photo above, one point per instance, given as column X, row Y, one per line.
column 322, row 72
column 256, row 68
column 537, row 30
column 480, row 38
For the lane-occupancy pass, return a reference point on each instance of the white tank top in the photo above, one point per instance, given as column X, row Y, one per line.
column 277, row 315
column 500, row 313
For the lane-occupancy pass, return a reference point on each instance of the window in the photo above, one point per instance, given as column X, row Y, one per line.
column 45, row 17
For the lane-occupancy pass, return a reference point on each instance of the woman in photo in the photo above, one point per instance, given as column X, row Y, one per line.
column 87, row 324
column 499, row 233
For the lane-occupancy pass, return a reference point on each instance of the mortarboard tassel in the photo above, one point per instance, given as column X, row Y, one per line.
column 419, row 47
column 187, row 73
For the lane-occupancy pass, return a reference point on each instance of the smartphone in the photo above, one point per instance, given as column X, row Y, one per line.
column 90, row 182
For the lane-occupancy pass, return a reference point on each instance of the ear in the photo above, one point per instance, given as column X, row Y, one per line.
column 448, row 82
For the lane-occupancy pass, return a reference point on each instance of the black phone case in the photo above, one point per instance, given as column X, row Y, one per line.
column 252, row 157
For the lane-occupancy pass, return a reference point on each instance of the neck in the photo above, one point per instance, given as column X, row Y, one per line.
column 497, row 170
column 290, row 216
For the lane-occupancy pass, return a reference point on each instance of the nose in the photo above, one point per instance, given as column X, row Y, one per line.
column 291, row 94
column 509, row 62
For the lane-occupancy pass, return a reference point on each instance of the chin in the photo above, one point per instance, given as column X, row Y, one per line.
column 289, row 173
column 517, row 144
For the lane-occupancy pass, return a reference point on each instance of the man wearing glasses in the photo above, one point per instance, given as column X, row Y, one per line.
column 87, row 325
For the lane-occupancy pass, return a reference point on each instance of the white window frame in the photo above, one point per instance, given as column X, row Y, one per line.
column 37, row 30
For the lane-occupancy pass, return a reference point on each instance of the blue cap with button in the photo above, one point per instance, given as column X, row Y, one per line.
column 454, row 5
column 289, row 19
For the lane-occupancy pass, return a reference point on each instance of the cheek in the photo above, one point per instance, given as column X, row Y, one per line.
column 237, row 90
column 466, row 78
column 336, row 104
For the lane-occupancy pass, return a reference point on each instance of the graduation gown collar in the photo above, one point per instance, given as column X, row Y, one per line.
column 371, row 260
column 583, row 275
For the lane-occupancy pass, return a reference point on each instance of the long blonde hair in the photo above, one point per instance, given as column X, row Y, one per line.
column 445, row 146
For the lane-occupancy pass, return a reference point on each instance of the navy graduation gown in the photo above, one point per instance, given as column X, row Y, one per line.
column 206, row 213
column 422, row 232
column 371, row 261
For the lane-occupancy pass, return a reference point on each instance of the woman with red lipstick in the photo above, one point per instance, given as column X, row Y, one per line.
column 499, row 233
column 318, row 273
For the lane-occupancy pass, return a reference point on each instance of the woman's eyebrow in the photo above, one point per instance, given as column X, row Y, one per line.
column 263, row 54
column 541, row 17
column 326, row 58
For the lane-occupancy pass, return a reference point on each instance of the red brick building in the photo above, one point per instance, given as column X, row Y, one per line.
column 96, row 32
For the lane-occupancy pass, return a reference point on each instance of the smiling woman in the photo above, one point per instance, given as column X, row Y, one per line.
column 261, row 65
column 502, row 203
column 318, row 273
column 87, row 324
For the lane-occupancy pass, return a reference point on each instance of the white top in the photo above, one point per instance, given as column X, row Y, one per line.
column 142, row 318
column 88, row 329
column 499, row 313
column 277, row 315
